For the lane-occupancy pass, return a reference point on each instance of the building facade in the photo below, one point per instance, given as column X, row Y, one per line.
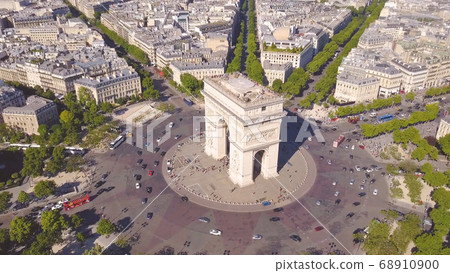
column 10, row 97
column 350, row 88
column 199, row 71
column 444, row 127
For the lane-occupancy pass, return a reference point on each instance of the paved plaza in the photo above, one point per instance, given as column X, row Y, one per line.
column 205, row 180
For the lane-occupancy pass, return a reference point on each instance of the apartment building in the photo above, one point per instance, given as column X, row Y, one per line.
column 296, row 59
column 27, row 118
column 444, row 127
column 45, row 34
column 350, row 88
column 10, row 97
column 198, row 70
column 390, row 78
column 110, row 87
column 277, row 71
column 414, row 75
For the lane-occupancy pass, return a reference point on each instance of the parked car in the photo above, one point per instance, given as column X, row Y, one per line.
column 149, row 189
column 99, row 184
column 357, row 168
column 143, row 200
column 156, row 163
column 215, row 232
column 156, row 149
column 139, row 153
column 295, row 238
column 375, row 192
column 184, row 199
column 278, row 209
column 177, row 136
column 257, row 237
column 334, row 183
column 139, row 161
column 275, row 219
column 138, row 185
column 104, row 176
column 352, row 181
column 336, row 194
column 150, row 173
column 171, row 124
column 143, row 166
column 204, row 219
column 319, row 228
column 329, row 161
column 149, row 215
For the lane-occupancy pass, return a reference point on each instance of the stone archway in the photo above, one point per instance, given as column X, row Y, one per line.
column 258, row 163
column 242, row 118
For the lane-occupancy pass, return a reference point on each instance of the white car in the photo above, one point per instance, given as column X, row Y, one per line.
column 158, row 139
column 336, row 194
column 216, row 232
column 334, row 183
column 168, row 162
column 353, row 147
column 352, row 181
column 171, row 125
column 169, row 170
column 375, row 192
column 369, row 170
column 318, row 202
column 357, row 168
column 138, row 185
column 257, row 237
column 329, row 161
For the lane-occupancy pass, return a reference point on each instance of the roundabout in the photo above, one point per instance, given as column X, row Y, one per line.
column 205, row 181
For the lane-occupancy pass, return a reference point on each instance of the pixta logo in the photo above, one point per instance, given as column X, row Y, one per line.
column 142, row 134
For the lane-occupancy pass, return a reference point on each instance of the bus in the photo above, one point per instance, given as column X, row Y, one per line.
column 384, row 118
column 116, row 142
column 188, row 102
column 75, row 151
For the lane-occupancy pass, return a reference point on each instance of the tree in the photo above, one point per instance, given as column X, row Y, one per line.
column 52, row 221
column 106, row 107
column 409, row 96
column 44, row 188
column 428, row 244
column 96, row 250
column 147, row 82
column 408, row 166
column 43, row 130
column 122, row 242
column 76, row 221
column 23, row 197
column 80, row 237
column 5, row 197
column 277, row 85
column 21, row 229
column 4, row 241
column 105, row 227
column 33, row 163
column 151, row 93
column 56, row 162
column 66, row 117
column 442, row 197
column 56, row 135
column 74, row 163
column 43, row 244
column 444, row 143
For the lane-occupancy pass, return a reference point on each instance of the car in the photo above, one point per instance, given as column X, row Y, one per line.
column 372, row 181
column 334, row 183
column 352, row 181
column 321, row 157
column 169, row 170
column 150, row 173
column 307, row 147
column 163, row 153
column 378, row 168
column 257, row 237
column 138, row 177
column 357, row 168
column 177, row 136
column 139, row 153
column 383, row 174
column 361, row 194
column 361, row 187
column 149, row 189
column 158, row 140
column 334, row 128
column 319, row 228
column 309, row 138
column 171, row 124
column 143, row 166
column 99, row 184
column 350, row 214
column 344, row 169
column 156, row 149
column 375, row 192
column 369, row 170
column 351, row 156
column 156, row 163
column 104, row 176
column 149, row 215
column 329, row 162
column 356, row 204
column 169, row 162
column 323, row 143
column 367, row 175
column 138, row 185
column 143, row 200
column 204, row 219
column 278, row 209
column 184, row 199
column 336, row 194
column 274, row 219
column 295, row 238
column 139, row 161
column 364, row 168
column 351, row 170
column 347, row 146
column 330, row 152
column 266, row 203
column 318, row 202
column 215, row 232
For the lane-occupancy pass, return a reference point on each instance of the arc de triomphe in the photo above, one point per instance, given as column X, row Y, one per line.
column 243, row 122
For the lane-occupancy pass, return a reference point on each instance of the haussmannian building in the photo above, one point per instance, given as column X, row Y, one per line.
column 444, row 127
column 350, row 88
column 277, row 71
column 10, row 97
column 198, row 70
column 110, row 87
column 27, row 118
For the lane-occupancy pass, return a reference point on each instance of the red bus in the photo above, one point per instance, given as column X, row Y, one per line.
column 76, row 203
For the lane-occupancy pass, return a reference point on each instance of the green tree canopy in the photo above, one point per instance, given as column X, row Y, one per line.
column 21, row 229
column 23, row 197
column 105, row 227
column 76, row 221
column 5, row 197
column 44, row 188
column 52, row 221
